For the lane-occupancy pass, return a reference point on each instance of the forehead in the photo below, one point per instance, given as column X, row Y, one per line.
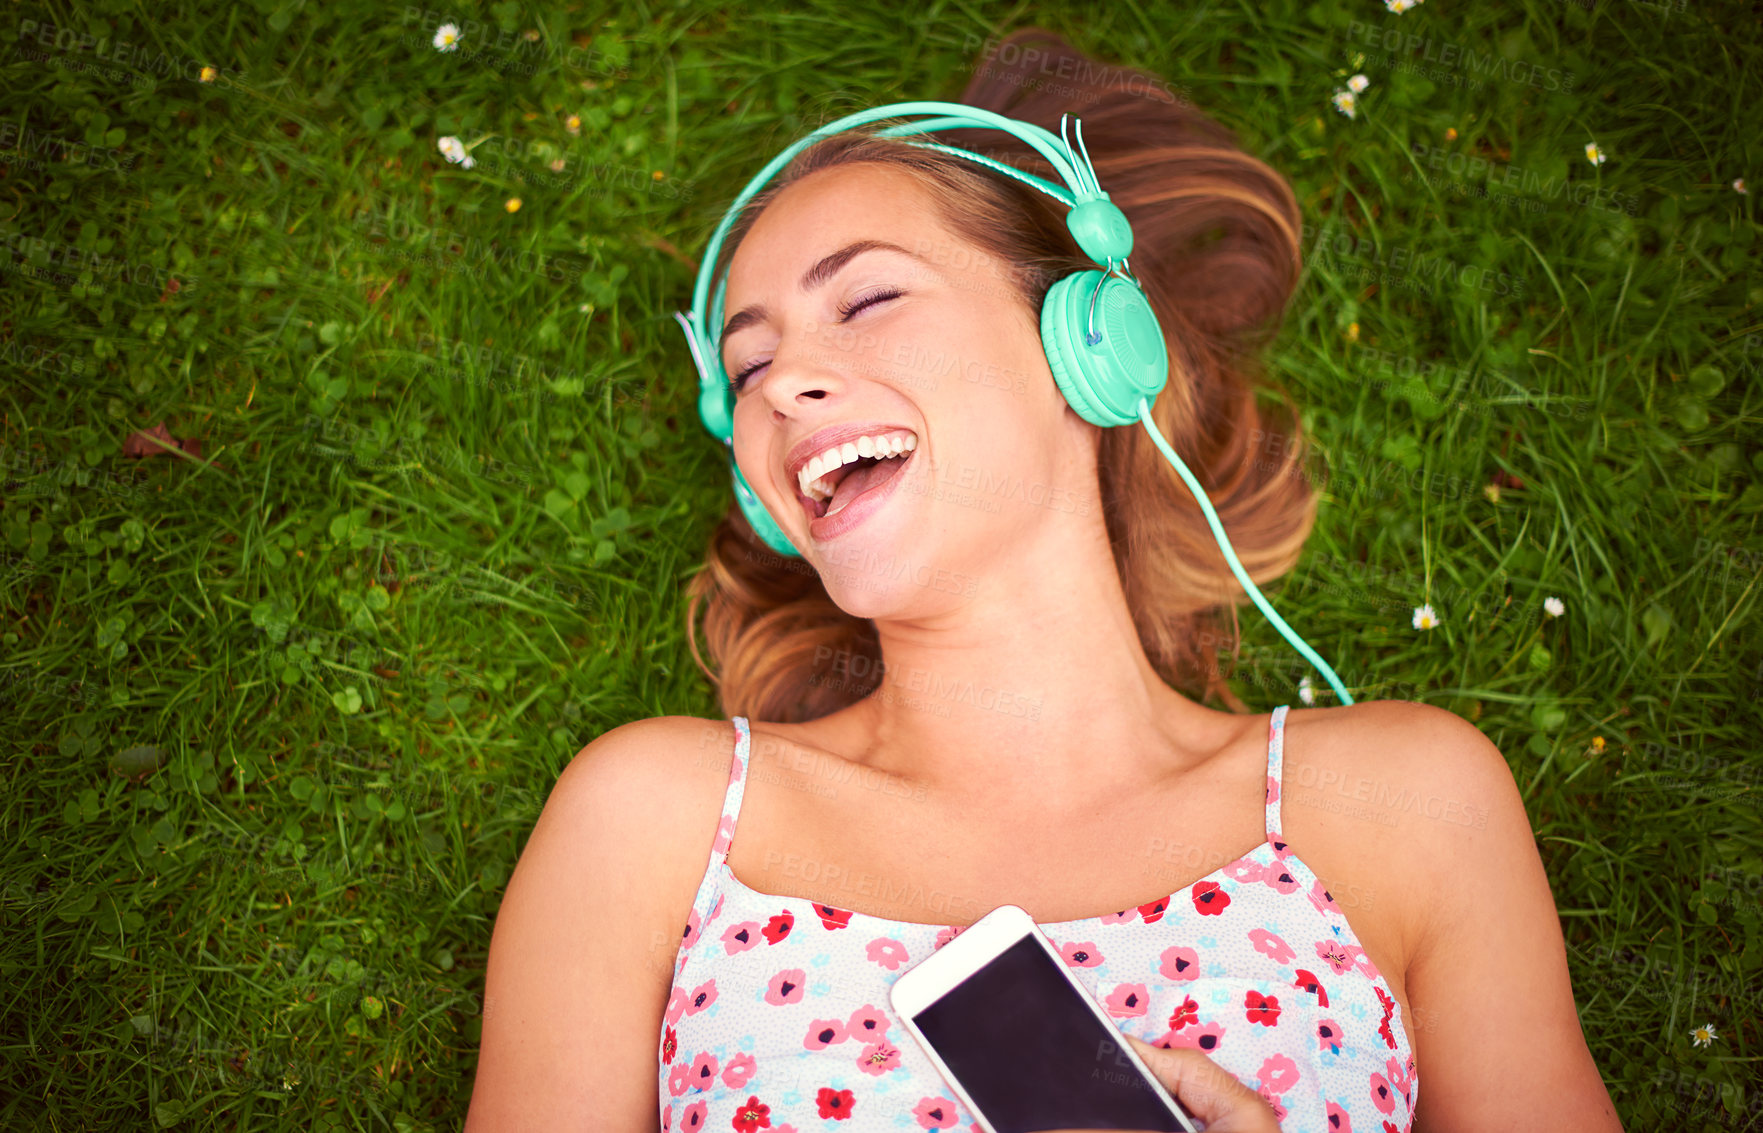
column 827, row 210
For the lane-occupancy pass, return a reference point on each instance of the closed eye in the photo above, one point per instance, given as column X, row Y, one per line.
column 846, row 310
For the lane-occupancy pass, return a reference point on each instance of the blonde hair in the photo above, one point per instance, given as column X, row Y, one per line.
column 1216, row 248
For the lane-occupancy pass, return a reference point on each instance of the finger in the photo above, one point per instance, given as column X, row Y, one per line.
column 1210, row 1092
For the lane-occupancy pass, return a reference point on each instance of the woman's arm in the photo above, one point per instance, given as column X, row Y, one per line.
column 1502, row 1046
column 582, row 954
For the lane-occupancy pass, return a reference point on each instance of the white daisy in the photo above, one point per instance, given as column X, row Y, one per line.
column 1704, row 1034
column 1358, row 83
column 1738, row 185
column 1346, row 102
column 1593, row 154
column 1424, row 617
column 447, row 37
column 1306, row 692
column 1554, row 607
column 1400, row 6
column 454, row 151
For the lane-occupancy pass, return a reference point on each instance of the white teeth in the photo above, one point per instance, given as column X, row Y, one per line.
column 810, row 480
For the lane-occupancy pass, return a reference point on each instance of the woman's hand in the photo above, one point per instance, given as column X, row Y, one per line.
column 1210, row 1093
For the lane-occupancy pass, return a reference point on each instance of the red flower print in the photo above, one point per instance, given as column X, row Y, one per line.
column 740, row 937
column 1271, row 946
column 1263, row 1009
column 866, row 1024
column 1278, row 1074
column 934, row 1113
column 1309, row 983
column 669, row 1045
column 1188, row 1012
column 1389, row 1008
column 692, row 1120
column 1204, row 1038
column 752, row 1116
column 1153, row 912
column 836, row 1104
column 1381, row 1095
column 1389, row 1127
column 1328, row 1036
column 779, row 927
column 1336, row 957
column 1338, row 1119
column 878, row 1059
column 831, row 917
column 823, row 1033
column 738, row 1071
column 1180, row 963
column 1127, row 1001
column 887, row 952
column 702, row 996
column 703, row 1072
column 785, row 987
column 1084, row 955
column 1209, row 899
column 1279, row 1111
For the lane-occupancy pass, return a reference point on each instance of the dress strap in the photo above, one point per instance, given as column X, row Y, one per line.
column 737, row 790
column 1276, row 744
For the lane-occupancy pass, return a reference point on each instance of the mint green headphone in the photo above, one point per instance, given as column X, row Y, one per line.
column 1102, row 339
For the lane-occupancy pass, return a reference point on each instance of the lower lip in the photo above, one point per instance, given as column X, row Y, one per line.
column 829, row 527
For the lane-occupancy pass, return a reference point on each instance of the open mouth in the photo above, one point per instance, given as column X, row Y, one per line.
column 831, row 481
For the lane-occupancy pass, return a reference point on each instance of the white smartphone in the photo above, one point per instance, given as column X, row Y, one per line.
column 1023, row 1044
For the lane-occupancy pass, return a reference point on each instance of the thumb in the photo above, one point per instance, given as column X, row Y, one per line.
column 1209, row 1092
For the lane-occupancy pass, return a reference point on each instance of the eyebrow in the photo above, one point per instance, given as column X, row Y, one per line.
column 814, row 277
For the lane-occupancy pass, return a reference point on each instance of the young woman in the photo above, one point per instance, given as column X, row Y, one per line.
column 983, row 683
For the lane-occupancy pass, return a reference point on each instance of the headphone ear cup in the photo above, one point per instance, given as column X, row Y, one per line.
column 759, row 519
column 1104, row 382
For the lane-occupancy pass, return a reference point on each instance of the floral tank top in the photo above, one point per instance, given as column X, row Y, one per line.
column 779, row 1020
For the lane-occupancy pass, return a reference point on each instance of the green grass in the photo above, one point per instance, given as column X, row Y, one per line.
column 279, row 718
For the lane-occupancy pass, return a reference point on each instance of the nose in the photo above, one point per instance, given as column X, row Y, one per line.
column 801, row 373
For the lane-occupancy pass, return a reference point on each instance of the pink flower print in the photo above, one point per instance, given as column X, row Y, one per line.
column 1280, row 847
column 934, row 1113
column 667, row 1118
column 1323, row 899
column 702, row 996
column 702, row 1074
column 1336, row 957
column 740, row 937
column 725, row 834
column 867, row 1024
column 1328, row 1036
column 948, row 934
column 878, row 1058
column 783, row 1129
column 676, row 1005
column 1180, row 963
column 1272, row 789
column 717, row 908
column 1399, row 1078
column 823, row 1033
column 739, row 1069
column 1204, row 1038
column 734, row 770
column 1127, row 1001
column 1339, row 1120
column 692, row 1120
column 887, row 952
column 1361, row 960
column 1280, row 878
column 678, row 1079
column 1243, row 871
column 1381, row 1095
column 1121, row 917
column 1084, row 955
column 1279, row 1111
column 1279, row 1074
column 1272, row 946
column 694, row 928
column 785, row 987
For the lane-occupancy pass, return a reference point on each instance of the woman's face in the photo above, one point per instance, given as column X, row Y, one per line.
column 928, row 344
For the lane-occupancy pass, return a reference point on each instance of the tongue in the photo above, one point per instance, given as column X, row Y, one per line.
column 854, row 483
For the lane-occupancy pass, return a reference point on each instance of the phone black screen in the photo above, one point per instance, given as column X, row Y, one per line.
column 1032, row 1056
